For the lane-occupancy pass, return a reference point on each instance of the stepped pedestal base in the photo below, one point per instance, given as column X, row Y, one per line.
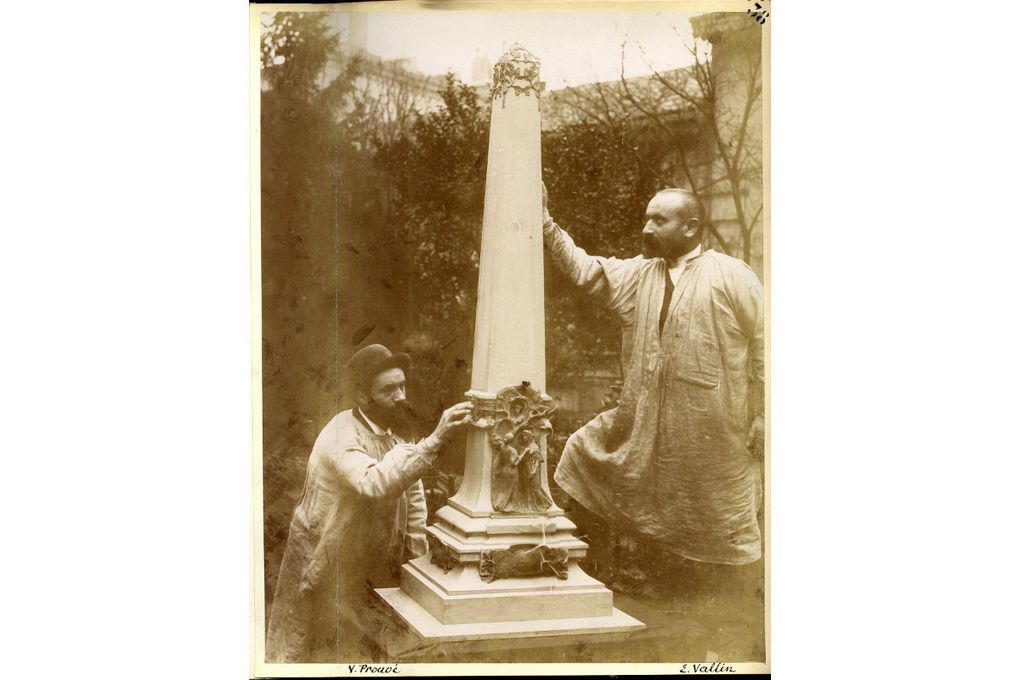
column 455, row 604
column 615, row 626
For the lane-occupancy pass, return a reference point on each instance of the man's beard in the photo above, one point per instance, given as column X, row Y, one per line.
column 650, row 248
column 398, row 416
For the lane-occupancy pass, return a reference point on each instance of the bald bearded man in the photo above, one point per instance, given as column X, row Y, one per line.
column 678, row 461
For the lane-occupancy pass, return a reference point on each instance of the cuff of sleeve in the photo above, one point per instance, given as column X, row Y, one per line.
column 429, row 448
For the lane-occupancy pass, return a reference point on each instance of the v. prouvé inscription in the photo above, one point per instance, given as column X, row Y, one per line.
column 386, row 669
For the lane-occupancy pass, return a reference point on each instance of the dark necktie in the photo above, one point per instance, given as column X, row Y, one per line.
column 667, row 296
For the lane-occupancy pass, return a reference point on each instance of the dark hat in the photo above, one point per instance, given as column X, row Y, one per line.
column 370, row 361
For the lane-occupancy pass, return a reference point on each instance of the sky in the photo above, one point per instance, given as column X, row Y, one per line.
column 574, row 47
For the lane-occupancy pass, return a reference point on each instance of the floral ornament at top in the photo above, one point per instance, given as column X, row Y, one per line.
column 517, row 69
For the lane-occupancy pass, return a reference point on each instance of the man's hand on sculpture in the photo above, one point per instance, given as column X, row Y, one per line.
column 452, row 419
column 756, row 437
column 546, row 217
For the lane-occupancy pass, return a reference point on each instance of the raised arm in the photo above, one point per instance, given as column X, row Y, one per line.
column 399, row 471
column 402, row 465
column 611, row 281
column 399, row 468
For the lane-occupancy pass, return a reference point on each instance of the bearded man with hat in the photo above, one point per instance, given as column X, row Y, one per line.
column 362, row 513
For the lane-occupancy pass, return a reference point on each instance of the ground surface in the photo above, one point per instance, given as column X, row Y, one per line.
column 689, row 627
column 702, row 620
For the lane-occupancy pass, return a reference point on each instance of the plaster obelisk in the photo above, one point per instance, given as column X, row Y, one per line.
column 502, row 557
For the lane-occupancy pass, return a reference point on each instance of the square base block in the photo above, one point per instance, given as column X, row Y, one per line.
column 460, row 596
column 614, row 626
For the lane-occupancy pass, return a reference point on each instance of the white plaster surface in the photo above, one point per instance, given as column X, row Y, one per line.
column 431, row 629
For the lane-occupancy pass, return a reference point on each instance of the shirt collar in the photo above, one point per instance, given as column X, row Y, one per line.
column 686, row 256
column 375, row 428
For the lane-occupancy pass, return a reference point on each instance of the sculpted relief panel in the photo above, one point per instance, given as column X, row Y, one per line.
column 516, row 422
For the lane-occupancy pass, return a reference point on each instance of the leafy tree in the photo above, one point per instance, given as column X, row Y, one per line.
column 697, row 127
column 597, row 193
column 300, row 147
column 435, row 182
column 300, row 142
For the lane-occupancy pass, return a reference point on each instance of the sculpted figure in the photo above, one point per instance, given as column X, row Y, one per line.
column 518, row 474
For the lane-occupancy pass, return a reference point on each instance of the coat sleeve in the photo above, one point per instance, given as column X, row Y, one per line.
column 417, row 513
column 339, row 447
column 386, row 478
column 611, row 281
column 748, row 301
column 399, row 468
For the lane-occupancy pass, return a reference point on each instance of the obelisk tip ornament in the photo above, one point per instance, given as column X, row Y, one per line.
column 516, row 70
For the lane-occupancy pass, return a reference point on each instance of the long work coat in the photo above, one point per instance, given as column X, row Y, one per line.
column 671, row 461
column 362, row 515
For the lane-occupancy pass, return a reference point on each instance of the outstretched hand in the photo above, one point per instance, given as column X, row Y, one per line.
column 545, row 205
column 453, row 418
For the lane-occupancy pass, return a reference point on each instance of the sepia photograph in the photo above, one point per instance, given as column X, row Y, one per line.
column 598, row 338
column 510, row 326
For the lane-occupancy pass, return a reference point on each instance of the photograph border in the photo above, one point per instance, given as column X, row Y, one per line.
column 258, row 668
